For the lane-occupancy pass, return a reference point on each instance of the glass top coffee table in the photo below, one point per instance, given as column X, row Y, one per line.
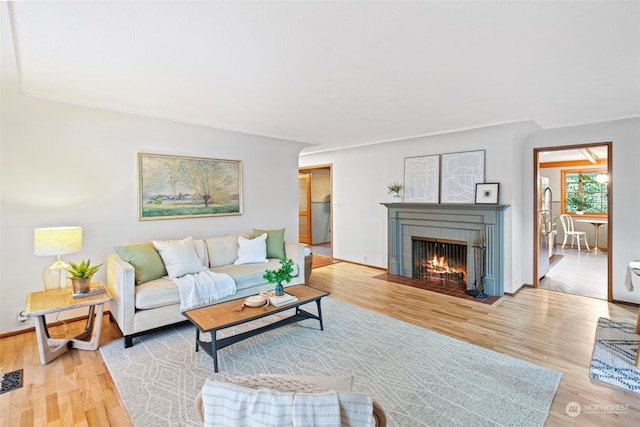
column 212, row 318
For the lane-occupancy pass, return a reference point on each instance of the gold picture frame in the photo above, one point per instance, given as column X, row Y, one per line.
column 171, row 187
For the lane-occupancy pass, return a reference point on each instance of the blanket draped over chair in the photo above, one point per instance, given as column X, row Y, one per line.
column 232, row 405
column 203, row 288
column 633, row 266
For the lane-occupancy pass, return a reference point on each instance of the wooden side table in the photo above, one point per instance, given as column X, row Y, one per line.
column 42, row 303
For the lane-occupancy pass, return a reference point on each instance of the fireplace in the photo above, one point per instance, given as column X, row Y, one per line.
column 464, row 223
column 439, row 260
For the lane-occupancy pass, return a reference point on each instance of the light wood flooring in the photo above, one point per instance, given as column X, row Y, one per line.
column 578, row 272
column 551, row 329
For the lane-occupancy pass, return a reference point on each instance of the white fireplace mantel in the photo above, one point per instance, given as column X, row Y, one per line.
column 457, row 221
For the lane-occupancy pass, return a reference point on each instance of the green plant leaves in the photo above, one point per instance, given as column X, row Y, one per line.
column 83, row 269
column 283, row 274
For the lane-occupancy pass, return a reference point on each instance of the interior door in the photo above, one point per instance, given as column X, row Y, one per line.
column 569, row 275
column 304, row 207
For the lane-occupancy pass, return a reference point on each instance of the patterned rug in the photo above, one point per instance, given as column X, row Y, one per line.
column 421, row 378
column 614, row 354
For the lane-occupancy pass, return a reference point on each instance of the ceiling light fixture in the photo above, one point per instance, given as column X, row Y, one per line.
column 602, row 178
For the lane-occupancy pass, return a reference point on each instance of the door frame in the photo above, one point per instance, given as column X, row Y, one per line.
column 309, row 169
column 308, row 237
column 536, row 175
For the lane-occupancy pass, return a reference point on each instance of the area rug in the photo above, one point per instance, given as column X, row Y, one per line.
column 614, row 354
column 421, row 378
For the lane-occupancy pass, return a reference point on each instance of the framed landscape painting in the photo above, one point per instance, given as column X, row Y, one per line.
column 172, row 187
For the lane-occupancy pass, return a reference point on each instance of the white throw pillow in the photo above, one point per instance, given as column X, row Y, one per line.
column 179, row 257
column 252, row 251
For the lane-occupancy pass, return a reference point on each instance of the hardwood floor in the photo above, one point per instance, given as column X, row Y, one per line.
column 73, row 390
column 548, row 328
column 578, row 272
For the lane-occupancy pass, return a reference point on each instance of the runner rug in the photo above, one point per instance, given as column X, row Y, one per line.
column 614, row 354
column 421, row 378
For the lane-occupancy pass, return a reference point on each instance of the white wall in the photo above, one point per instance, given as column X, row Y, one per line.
column 361, row 177
column 624, row 193
column 70, row 165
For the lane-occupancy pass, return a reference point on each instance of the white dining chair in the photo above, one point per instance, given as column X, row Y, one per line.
column 567, row 225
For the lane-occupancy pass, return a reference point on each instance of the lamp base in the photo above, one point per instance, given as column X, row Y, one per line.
column 54, row 276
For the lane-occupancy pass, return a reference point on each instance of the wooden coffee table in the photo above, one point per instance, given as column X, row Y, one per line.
column 225, row 315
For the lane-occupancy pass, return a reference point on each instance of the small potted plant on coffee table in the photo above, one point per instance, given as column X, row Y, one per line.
column 81, row 274
column 283, row 274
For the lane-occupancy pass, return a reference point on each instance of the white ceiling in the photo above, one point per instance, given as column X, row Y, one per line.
column 336, row 74
column 590, row 154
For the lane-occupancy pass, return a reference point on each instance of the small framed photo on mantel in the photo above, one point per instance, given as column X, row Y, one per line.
column 487, row 193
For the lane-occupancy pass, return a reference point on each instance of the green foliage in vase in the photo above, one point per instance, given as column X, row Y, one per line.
column 82, row 270
column 283, row 274
column 394, row 188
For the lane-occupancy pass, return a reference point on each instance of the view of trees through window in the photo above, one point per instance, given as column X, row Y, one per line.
column 584, row 192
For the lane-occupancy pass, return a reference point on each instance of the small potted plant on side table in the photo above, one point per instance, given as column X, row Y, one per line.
column 283, row 274
column 81, row 274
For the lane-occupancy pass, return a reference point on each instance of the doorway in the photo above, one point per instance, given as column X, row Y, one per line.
column 315, row 210
column 564, row 172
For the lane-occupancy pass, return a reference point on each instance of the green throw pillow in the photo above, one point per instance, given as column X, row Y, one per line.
column 275, row 242
column 144, row 258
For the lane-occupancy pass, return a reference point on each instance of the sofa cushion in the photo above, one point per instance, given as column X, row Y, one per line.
column 224, row 250
column 201, row 250
column 247, row 275
column 252, row 250
column 157, row 293
column 144, row 258
column 163, row 291
column 179, row 257
column 275, row 242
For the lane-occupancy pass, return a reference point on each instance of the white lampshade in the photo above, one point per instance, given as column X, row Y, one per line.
column 56, row 241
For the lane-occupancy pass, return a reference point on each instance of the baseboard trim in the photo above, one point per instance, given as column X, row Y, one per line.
column 52, row 324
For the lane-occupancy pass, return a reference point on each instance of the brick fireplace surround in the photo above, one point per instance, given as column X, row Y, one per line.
column 465, row 222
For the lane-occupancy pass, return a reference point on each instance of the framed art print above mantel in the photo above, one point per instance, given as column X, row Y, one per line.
column 171, row 187
column 460, row 172
column 422, row 179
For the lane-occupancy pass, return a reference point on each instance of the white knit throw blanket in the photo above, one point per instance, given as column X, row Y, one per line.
column 231, row 405
column 628, row 278
column 203, row 288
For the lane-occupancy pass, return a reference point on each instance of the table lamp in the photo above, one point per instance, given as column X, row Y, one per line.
column 56, row 241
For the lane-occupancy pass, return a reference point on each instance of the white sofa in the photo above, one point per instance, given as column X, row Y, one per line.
column 141, row 306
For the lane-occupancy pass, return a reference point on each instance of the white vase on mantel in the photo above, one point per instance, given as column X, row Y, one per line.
column 397, row 198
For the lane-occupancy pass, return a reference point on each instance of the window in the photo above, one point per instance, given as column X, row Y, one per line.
column 582, row 192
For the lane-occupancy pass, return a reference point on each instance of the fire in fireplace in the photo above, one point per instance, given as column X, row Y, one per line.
column 440, row 260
